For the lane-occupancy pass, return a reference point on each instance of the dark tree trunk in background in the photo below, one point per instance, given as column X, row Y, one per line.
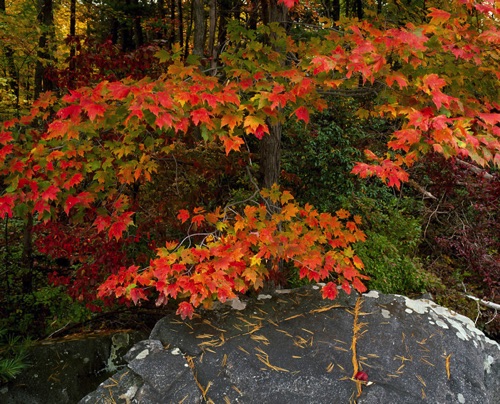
column 172, row 30
column 224, row 15
column 181, row 24
column 211, row 32
column 335, row 10
column 136, row 16
column 199, row 28
column 72, row 35
column 27, row 257
column 46, row 20
column 359, row 8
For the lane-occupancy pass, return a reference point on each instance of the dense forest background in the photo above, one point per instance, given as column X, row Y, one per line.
column 438, row 232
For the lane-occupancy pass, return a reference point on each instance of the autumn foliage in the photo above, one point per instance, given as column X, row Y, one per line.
column 232, row 252
column 74, row 155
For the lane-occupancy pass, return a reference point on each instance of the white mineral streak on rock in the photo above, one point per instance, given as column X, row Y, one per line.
column 263, row 297
column 176, row 351
column 143, row 354
column 386, row 313
column 446, row 318
column 237, row 304
column 488, row 362
column 129, row 394
column 286, row 291
column 372, row 293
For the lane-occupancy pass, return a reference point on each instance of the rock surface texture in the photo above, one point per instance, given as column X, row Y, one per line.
column 298, row 348
column 65, row 369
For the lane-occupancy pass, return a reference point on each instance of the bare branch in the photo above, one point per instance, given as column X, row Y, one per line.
column 486, row 303
column 476, row 170
column 421, row 189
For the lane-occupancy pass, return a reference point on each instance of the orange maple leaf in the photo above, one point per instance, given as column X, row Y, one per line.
column 232, row 143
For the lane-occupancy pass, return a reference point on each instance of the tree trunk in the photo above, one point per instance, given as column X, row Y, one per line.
column 181, row 24
column 171, row 35
column 137, row 26
column 72, row 35
column 199, row 28
column 270, row 146
column 336, row 10
column 270, row 156
column 46, row 20
column 359, row 9
column 224, row 15
column 27, row 256
column 161, row 34
column 211, row 33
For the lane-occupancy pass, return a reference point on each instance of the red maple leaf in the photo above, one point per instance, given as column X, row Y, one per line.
column 6, row 205
column 116, row 229
column 41, row 206
column 358, row 285
column 185, row 309
column 72, row 111
column 74, row 180
column 260, row 131
column 50, row 193
column 5, row 137
column 329, row 291
column 302, row 113
column 118, row 90
column 198, row 219
column 200, row 115
column 438, row 16
column 346, row 287
column 70, row 202
column 94, row 110
column 164, row 120
column 102, row 222
column 136, row 294
column 183, row 215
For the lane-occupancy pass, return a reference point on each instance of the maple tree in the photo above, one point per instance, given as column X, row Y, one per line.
column 76, row 154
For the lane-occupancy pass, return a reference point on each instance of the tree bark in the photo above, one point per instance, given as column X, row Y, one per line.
column 199, row 28
column 181, row 24
column 270, row 145
column 46, row 20
column 211, row 32
column 27, row 256
column 270, row 156
column 72, row 35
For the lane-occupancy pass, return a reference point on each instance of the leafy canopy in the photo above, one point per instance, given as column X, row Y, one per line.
column 438, row 80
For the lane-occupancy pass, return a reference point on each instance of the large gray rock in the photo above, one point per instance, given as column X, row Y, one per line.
column 298, row 348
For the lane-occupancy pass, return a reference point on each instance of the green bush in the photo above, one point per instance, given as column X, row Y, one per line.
column 390, row 251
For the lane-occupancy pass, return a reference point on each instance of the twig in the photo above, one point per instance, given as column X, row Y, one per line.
column 486, row 303
column 432, row 214
column 475, row 170
column 421, row 189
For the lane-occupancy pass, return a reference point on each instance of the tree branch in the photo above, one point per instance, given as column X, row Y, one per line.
column 475, row 170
